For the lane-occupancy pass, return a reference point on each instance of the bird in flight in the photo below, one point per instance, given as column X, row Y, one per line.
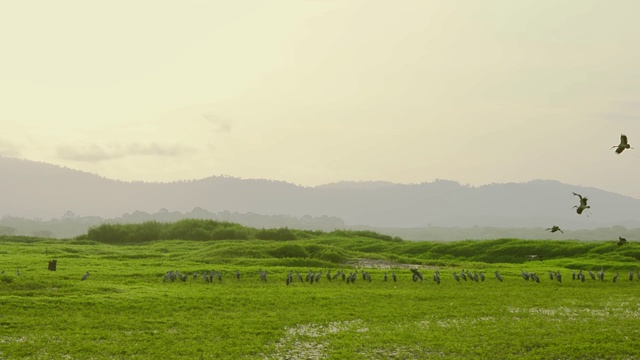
column 555, row 228
column 583, row 204
column 624, row 144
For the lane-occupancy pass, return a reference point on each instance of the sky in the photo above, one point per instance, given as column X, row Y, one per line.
column 318, row 91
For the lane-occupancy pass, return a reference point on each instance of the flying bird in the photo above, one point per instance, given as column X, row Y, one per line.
column 555, row 228
column 621, row 241
column 623, row 145
column 583, row 204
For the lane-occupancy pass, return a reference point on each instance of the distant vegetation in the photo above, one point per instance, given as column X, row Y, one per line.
column 71, row 225
column 338, row 246
column 202, row 230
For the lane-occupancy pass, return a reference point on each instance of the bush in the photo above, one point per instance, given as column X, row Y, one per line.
column 290, row 251
column 276, row 234
column 332, row 255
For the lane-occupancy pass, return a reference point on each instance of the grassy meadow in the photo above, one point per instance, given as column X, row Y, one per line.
column 125, row 310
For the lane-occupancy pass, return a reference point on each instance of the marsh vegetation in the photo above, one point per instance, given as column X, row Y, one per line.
column 126, row 310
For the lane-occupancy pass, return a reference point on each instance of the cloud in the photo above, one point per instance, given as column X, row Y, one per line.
column 97, row 153
column 220, row 125
column 8, row 148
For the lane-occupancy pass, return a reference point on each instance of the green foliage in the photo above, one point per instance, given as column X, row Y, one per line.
column 275, row 234
column 125, row 310
column 333, row 255
column 204, row 230
column 364, row 233
column 289, row 251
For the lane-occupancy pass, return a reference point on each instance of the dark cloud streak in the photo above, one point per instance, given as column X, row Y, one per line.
column 97, row 153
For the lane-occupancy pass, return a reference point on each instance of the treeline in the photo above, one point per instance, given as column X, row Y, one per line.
column 70, row 225
column 204, row 230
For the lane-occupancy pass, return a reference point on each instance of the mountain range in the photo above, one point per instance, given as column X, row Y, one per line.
column 37, row 190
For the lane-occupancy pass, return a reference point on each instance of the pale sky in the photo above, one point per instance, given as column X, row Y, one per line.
column 317, row 91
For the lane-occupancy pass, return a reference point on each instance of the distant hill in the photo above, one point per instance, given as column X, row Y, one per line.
column 39, row 190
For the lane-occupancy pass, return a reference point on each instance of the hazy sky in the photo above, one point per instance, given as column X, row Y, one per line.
column 311, row 92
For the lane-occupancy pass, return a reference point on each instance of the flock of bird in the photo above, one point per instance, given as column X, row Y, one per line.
column 209, row 276
column 580, row 208
column 312, row 277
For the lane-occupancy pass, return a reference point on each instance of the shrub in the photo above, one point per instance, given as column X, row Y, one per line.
column 276, row 234
column 289, row 251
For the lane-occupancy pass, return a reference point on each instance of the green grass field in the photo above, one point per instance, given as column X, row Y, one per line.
column 124, row 310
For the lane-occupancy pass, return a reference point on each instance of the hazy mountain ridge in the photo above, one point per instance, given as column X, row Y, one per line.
column 38, row 190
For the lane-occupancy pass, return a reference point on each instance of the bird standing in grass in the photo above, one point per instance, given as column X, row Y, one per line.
column 85, row 276
column 624, row 144
column 621, row 241
column 583, row 204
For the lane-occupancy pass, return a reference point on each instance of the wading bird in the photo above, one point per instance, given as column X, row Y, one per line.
column 393, row 276
column 583, row 204
column 555, row 228
column 85, row 276
column 238, row 274
column 462, row 275
column 498, row 276
column 615, row 277
column 263, row 275
column 621, row 241
column 534, row 277
column 417, row 275
column 558, row 276
column 624, row 144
